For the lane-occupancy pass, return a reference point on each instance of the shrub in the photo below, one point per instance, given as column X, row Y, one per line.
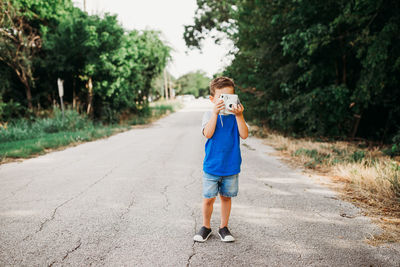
column 22, row 129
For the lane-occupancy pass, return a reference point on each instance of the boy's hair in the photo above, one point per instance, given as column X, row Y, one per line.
column 221, row 82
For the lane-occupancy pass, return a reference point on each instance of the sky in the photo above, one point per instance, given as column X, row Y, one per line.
column 168, row 17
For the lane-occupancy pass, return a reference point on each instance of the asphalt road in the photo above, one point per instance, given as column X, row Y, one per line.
column 134, row 199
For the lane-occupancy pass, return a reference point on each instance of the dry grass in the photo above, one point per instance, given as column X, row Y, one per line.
column 363, row 175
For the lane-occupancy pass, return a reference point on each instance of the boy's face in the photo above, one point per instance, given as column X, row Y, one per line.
column 218, row 92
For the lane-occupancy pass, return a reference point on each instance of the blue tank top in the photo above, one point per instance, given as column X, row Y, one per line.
column 223, row 156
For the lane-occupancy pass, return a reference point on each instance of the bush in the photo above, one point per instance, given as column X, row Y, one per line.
column 395, row 148
column 10, row 109
column 396, row 145
column 395, row 179
column 357, row 156
column 22, row 129
column 71, row 121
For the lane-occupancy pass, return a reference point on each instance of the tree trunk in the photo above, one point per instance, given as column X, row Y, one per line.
column 29, row 96
column 89, row 86
column 343, row 51
column 387, row 126
column 356, row 122
column 73, row 93
column 337, row 72
column 344, row 68
column 25, row 82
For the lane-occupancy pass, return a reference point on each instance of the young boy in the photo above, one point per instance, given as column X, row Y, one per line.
column 221, row 165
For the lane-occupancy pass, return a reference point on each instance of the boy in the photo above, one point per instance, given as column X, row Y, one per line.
column 221, row 165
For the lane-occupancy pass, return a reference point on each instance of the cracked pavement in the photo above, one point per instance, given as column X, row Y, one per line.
column 134, row 199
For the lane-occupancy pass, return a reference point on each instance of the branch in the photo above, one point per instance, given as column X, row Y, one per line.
column 9, row 35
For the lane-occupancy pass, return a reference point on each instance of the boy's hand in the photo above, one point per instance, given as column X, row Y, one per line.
column 238, row 109
column 218, row 106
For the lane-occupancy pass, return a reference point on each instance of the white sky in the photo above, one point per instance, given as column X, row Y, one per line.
column 168, row 17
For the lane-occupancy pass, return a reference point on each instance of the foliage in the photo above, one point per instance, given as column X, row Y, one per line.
column 23, row 129
column 19, row 42
column 308, row 67
column 195, row 83
column 394, row 150
column 78, row 48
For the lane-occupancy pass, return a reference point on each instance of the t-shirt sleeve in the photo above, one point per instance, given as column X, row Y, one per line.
column 206, row 118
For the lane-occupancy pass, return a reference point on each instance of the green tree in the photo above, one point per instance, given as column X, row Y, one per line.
column 195, row 83
column 306, row 67
column 107, row 70
column 19, row 41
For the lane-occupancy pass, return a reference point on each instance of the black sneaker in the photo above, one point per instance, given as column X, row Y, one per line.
column 203, row 234
column 225, row 235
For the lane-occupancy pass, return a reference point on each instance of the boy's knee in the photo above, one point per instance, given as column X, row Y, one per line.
column 209, row 201
column 223, row 198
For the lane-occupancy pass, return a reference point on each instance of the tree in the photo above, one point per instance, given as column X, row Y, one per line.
column 195, row 83
column 19, row 42
column 105, row 67
column 307, row 67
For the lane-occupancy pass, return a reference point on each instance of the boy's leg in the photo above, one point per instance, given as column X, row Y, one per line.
column 210, row 191
column 208, row 204
column 226, row 204
column 229, row 188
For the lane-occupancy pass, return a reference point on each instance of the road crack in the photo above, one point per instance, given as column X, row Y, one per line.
column 194, row 242
column 128, row 208
column 65, row 202
column 164, row 192
column 32, row 179
column 117, row 229
column 193, row 180
column 68, row 252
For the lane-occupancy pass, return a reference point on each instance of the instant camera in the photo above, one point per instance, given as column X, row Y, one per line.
column 229, row 101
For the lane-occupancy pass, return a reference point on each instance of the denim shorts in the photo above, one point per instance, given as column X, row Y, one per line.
column 227, row 186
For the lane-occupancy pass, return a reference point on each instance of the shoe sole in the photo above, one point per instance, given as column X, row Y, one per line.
column 204, row 239
column 225, row 240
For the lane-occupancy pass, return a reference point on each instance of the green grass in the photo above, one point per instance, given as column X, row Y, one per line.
column 337, row 156
column 23, row 138
column 27, row 147
column 317, row 158
column 154, row 111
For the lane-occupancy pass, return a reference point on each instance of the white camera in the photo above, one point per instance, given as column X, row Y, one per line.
column 229, row 101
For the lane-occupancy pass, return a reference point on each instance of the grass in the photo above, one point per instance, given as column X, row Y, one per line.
column 38, row 145
column 23, row 139
column 365, row 175
column 155, row 111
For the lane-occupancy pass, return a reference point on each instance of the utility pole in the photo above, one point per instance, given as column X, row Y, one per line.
column 84, row 5
column 165, row 84
column 172, row 91
column 169, row 86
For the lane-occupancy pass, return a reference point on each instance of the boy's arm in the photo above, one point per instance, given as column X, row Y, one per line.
column 242, row 126
column 209, row 129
